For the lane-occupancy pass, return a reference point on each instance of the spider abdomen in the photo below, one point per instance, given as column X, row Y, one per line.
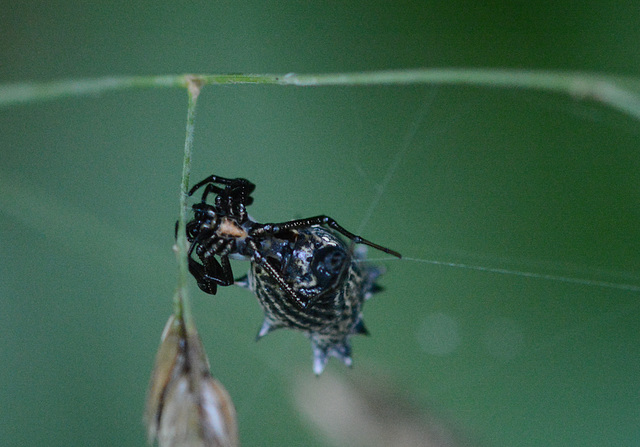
column 322, row 268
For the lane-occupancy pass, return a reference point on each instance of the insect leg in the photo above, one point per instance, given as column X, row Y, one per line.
column 240, row 186
column 274, row 228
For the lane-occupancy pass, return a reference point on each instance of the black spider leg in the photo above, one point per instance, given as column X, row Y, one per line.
column 214, row 179
column 204, row 281
column 210, row 273
column 207, row 190
column 274, row 228
column 236, row 190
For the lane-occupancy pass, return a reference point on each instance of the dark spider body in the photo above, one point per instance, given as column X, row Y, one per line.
column 318, row 263
column 304, row 276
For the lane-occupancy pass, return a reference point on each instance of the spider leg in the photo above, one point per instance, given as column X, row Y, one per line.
column 209, row 281
column 274, row 228
column 211, row 179
column 220, row 272
column 207, row 190
column 237, row 187
column 210, row 273
column 204, row 281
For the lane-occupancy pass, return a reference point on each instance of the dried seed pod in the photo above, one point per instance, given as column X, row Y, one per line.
column 185, row 405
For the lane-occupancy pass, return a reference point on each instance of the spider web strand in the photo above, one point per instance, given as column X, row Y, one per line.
column 549, row 277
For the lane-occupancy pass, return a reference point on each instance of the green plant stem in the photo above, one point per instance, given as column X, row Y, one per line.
column 11, row 94
column 181, row 306
column 617, row 92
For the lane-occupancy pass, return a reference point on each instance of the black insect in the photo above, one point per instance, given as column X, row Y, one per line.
column 303, row 274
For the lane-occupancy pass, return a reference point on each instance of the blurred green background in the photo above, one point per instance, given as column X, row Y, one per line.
column 495, row 178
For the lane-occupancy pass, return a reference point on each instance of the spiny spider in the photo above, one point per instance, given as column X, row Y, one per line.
column 304, row 276
column 225, row 229
column 344, row 288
